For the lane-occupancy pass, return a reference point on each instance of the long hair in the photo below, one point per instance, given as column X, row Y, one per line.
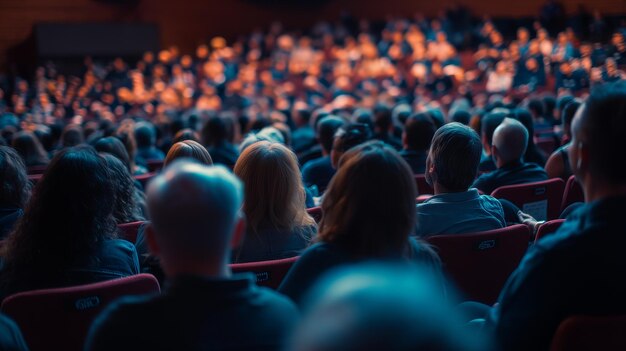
column 68, row 216
column 274, row 195
column 14, row 185
column 30, row 148
column 126, row 208
column 115, row 147
column 369, row 206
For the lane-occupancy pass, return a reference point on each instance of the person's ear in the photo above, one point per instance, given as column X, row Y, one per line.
column 239, row 231
column 153, row 245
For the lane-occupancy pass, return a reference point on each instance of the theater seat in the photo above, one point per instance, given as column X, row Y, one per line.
column 422, row 186
column 548, row 227
column 573, row 193
column 316, row 213
column 145, row 178
column 128, row 231
column 480, row 263
column 34, row 178
column 59, row 319
column 36, row 170
column 590, row 333
column 268, row 273
column 542, row 200
column 154, row 165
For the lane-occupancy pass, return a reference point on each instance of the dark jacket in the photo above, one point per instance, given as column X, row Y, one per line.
column 510, row 174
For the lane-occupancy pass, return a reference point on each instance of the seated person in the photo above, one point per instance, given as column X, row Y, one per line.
column 217, row 137
column 451, row 168
column 145, row 135
column 195, row 225
column 368, row 214
column 188, row 149
column 509, row 145
column 67, row 235
column 319, row 171
column 558, row 165
column 418, row 132
column 575, row 271
column 488, row 125
column 348, row 137
column 15, row 190
column 277, row 224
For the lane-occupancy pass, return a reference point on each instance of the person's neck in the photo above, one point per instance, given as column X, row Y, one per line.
column 600, row 190
column 501, row 163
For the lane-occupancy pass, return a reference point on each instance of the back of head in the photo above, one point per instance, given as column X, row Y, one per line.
column 364, row 116
column 274, row 195
column 455, row 154
column 461, row 116
column 401, row 113
column 145, row 135
column 114, row 146
column 126, row 209
column 69, row 214
column 326, row 130
column 186, row 134
column 194, row 210
column 369, row 206
column 215, row 131
column 381, row 307
column 602, row 127
column 350, row 136
column 419, row 130
column 511, row 140
column 568, row 113
column 72, row 136
column 525, row 118
column 15, row 188
column 489, row 123
column 188, row 149
column 382, row 118
column 536, row 107
column 29, row 148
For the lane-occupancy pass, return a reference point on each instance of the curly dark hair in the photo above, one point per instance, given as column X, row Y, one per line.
column 15, row 188
column 69, row 215
column 126, row 208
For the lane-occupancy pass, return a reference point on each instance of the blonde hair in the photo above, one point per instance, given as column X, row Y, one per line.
column 274, row 195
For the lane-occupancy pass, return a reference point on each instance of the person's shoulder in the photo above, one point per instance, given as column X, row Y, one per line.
column 119, row 245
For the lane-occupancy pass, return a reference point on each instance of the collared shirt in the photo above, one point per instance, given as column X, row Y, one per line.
column 197, row 313
column 457, row 213
column 579, row 270
column 510, row 174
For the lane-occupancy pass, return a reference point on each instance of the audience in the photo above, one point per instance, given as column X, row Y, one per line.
column 558, row 165
column 29, row 147
column 67, row 233
column 451, row 169
column 10, row 336
column 318, row 172
column 146, row 144
column 217, row 135
column 15, row 190
column 278, row 225
column 509, row 145
column 368, row 214
column 489, row 123
column 204, row 305
column 346, row 138
column 574, row 271
column 129, row 202
column 416, row 137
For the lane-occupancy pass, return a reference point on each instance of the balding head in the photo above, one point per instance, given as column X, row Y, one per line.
column 510, row 140
column 194, row 211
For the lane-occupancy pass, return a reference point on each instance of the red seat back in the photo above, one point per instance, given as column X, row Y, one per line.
column 34, row 178
column 145, row 178
column 542, row 200
column 548, row 228
column 268, row 273
column 573, row 193
column 480, row 263
column 36, row 170
column 154, row 165
column 128, row 231
column 59, row 319
column 316, row 213
column 422, row 186
column 590, row 333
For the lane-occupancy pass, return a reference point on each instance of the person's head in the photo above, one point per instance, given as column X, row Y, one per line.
column 510, row 140
column 348, row 137
column 115, row 147
column 381, row 307
column 454, row 157
column 526, row 119
column 186, row 134
column 597, row 140
column 188, row 149
column 15, row 189
column 194, row 233
column 217, row 130
column 30, row 149
column 419, row 130
column 561, row 102
column 488, row 125
column 274, row 194
column 145, row 135
column 401, row 113
column 569, row 111
column 72, row 136
column 70, row 213
column 369, row 205
column 461, row 116
column 326, row 130
column 382, row 118
column 126, row 209
column 536, row 108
